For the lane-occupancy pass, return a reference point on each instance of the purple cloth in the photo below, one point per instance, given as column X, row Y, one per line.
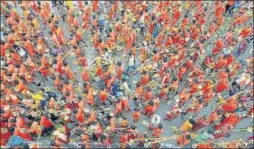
column 57, row 51
column 251, row 138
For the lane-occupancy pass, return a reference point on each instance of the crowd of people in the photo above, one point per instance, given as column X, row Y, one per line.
column 91, row 74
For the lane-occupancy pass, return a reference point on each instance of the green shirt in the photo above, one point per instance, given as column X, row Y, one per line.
column 202, row 137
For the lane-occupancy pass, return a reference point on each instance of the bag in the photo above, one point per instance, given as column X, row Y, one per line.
column 125, row 76
column 21, row 52
column 15, row 141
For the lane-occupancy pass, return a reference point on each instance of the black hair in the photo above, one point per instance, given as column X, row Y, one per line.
column 108, row 77
column 11, row 129
column 17, row 65
column 26, row 146
column 54, row 61
column 65, row 63
column 75, row 111
column 63, row 98
column 83, row 146
column 127, row 146
column 16, row 82
column 205, row 9
column 174, row 78
column 67, row 93
column 52, row 143
column 85, row 91
column 133, row 126
column 119, row 63
column 151, row 102
column 153, row 18
column 188, row 137
column 66, row 82
column 149, row 89
column 157, row 145
column 160, row 126
column 138, row 84
column 165, row 59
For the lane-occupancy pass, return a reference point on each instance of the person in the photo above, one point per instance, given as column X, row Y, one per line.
column 158, row 131
column 184, row 139
column 156, row 119
column 131, row 63
column 188, row 125
column 51, row 88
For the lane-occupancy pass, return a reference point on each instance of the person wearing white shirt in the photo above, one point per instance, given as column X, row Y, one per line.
column 131, row 63
column 156, row 119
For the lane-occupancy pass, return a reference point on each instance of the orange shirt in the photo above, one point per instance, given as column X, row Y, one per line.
column 222, row 86
column 118, row 108
column 103, row 96
column 182, row 140
column 22, row 69
column 139, row 91
column 57, row 81
column 16, row 57
column 11, row 68
column 157, row 132
column 21, row 87
column 80, row 116
column 220, row 63
column 148, row 96
column 75, row 22
column 11, row 39
column 136, row 115
column 30, row 48
column 222, row 75
column 145, row 79
column 246, row 32
column 20, row 122
column 95, row 5
column 69, row 73
column 84, row 76
column 204, row 145
column 219, row 11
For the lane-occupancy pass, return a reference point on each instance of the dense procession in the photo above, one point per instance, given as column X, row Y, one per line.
column 127, row 74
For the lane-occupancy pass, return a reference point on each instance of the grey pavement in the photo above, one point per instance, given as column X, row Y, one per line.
column 164, row 107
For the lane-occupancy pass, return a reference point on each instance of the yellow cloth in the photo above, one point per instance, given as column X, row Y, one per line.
column 186, row 126
column 38, row 96
column 174, row 29
column 69, row 4
column 26, row 13
column 111, row 68
column 35, row 23
column 98, row 61
column 222, row 100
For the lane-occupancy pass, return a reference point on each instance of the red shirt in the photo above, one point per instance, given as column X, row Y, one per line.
column 46, row 122
column 5, row 137
column 25, row 136
column 222, row 86
column 103, row 96
column 123, row 138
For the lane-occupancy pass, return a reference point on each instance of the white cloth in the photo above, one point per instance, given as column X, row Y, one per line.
column 125, row 87
column 142, row 19
column 131, row 61
column 244, row 76
column 156, row 119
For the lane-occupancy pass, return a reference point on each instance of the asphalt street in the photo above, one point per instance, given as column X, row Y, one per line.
column 164, row 107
